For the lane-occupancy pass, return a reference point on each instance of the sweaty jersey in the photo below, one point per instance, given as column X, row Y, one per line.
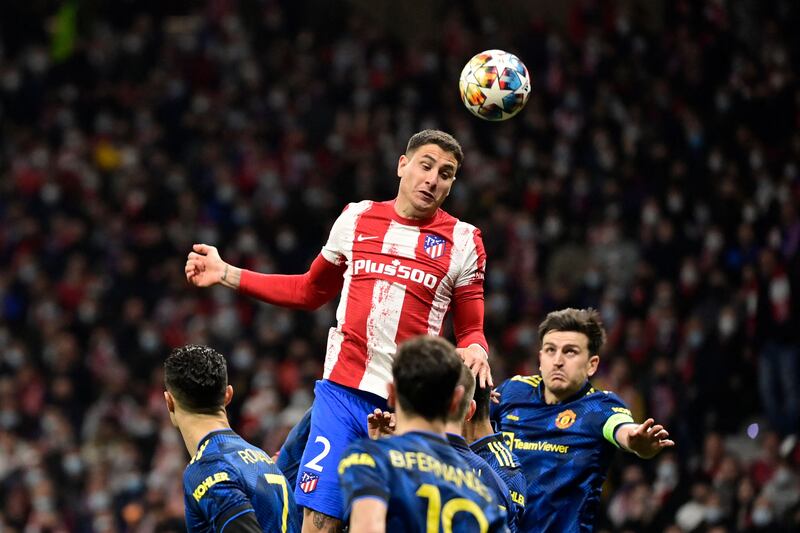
column 565, row 450
column 229, row 477
column 494, row 451
column 424, row 481
column 402, row 276
column 489, row 476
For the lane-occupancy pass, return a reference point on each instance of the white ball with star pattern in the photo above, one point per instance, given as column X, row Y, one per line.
column 494, row 85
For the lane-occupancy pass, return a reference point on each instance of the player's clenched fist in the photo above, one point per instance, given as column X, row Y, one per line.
column 204, row 267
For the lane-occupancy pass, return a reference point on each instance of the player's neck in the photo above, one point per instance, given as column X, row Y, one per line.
column 550, row 398
column 405, row 209
column 453, row 427
column 407, row 424
column 194, row 427
column 477, row 430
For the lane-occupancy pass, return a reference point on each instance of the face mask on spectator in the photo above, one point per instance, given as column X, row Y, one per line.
column 762, row 516
column 667, row 473
column 242, row 358
column 727, row 325
column 713, row 515
column 695, row 338
column 72, row 464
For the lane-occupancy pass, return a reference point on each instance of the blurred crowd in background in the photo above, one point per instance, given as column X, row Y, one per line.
column 654, row 175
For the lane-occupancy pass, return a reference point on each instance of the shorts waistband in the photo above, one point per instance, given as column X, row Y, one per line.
column 370, row 398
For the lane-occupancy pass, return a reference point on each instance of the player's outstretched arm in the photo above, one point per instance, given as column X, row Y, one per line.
column 645, row 439
column 368, row 516
column 204, row 268
column 322, row 282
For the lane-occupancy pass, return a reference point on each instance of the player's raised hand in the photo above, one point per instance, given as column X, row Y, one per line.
column 648, row 438
column 380, row 424
column 478, row 362
column 204, row 266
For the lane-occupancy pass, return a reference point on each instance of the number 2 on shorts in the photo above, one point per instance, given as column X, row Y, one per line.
column 313, row 464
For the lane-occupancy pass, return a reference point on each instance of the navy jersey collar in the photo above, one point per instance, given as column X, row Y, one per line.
column 484, row 441
column 214, row 433
column 457, row 441
column 587, row 387
column 428, row 435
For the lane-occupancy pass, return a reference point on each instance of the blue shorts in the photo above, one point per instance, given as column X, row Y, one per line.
column 338, row 417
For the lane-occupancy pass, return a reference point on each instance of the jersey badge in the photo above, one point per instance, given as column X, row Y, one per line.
column 434, row 246
column 308, row 482
column 565, row 419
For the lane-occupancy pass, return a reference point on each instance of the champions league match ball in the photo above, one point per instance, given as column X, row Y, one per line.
column 494, row 85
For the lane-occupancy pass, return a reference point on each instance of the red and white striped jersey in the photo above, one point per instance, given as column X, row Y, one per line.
column 399, row 283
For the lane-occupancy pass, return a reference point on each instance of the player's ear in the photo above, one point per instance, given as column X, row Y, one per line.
column 228, row 395
column 455, row 402
column 390, row 399
column 594, row 361
column 170, row 401
column 402, row 162
column 471, row 411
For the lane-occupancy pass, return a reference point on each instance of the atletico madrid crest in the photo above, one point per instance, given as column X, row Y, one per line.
column 309, row 482
column 434, row 246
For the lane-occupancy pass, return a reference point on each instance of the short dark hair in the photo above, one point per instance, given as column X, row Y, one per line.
column 482, row 397
column 197, row 377
column 466, row 380
column 586, row 321
column 426, row 371
column 443, row 140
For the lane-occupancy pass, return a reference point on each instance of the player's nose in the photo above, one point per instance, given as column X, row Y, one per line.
column 431, row 179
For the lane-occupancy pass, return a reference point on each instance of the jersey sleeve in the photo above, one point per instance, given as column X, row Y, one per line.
column 363, row 474
column 243, row 523
column 473, row 262
column 341, row 235
column 615, row 414
column 496, row 409
column 213, row 490
column 518, row 487
column 333, row 250
column 308, row 291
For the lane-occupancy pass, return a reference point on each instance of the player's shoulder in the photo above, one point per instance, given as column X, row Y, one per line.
column 445, row 223
column 606, row 398
column 464, row 231
column 495, row 448
column 520, row 385
column 202, row 474
column 353, row 209
column 364, row 452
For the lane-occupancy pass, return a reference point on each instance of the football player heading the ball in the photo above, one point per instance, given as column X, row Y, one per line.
column 399, row 265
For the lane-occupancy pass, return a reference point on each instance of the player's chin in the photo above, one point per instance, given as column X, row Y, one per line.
column 426, row 209
column 556, row 383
